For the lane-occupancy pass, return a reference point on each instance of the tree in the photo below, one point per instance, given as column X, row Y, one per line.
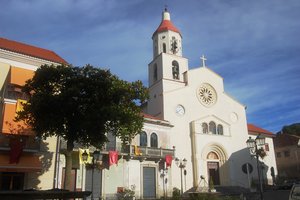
column 293, row 129
column 82, row 105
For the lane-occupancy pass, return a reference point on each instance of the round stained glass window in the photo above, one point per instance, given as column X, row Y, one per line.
column 206, row 95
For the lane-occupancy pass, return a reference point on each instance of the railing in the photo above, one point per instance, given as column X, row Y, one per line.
column 129, row 150
column 31, row 144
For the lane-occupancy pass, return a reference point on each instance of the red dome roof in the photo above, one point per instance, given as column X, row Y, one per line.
column 166, row 25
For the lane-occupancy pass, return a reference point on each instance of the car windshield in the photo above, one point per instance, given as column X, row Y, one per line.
column 296, row 192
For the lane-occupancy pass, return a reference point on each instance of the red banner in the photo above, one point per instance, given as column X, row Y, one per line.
column 168, row 160
column 113, row 157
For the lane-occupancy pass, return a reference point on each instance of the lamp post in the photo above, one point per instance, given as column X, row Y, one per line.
column 96, row 157
column 253, row 144
column 163, row 173
column 181, row 164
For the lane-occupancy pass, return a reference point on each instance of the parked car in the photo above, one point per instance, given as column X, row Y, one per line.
column 288, row 184
column 295, row 192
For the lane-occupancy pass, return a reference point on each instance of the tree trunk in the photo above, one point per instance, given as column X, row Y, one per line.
column 68, row 168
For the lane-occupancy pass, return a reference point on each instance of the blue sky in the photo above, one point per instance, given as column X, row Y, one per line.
column 253, row 44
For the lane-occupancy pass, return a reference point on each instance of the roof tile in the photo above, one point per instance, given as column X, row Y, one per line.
column 29, row 50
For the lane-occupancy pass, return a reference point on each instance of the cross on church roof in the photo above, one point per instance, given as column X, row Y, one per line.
column 203, row 60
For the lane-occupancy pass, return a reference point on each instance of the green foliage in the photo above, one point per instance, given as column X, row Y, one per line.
column 261, row 152
column 82, row 104
column 126, row 194
column 293, row 129
column 176, row 195
column 204, row 196
column 211, row 196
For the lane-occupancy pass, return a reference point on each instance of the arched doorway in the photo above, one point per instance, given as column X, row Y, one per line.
column 213, row 168
column 215, row 160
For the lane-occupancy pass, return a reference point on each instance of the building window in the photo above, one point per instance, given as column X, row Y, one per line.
column 278, row 154
column 212, row 127
column 286, row 153
column 267, row 147
column 164, row 48
column 175, row 69
column 155, row 72
column 220, row 129
column 204, row 128
column 14, row 92
column 11, row 181
column 143, row 139
column 154, row 142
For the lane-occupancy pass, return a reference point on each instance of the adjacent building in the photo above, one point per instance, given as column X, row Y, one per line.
column 287, row 149
column 24, row 160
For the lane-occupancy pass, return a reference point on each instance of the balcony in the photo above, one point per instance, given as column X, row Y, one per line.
column 31, row 144
column 129, row 151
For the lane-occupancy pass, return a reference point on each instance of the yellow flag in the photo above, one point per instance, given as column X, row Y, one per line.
column 89, row 158
column 20, row 103
column 137, row 151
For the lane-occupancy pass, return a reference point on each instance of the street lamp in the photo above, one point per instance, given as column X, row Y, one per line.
column 163, row 173
column 96, row 157
column 253, row 147
column 181, row 164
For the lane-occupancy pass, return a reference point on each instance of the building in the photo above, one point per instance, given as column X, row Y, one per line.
column 268, row 164
column 24, row 160
column 210, row 127
column 287, row 155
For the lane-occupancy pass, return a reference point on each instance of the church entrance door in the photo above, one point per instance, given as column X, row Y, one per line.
column 213, row 172
column 149, row 182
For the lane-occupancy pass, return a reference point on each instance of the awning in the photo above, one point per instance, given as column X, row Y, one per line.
column 19, row 76
column 27, row 163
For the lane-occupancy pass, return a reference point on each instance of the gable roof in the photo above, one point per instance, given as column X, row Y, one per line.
column 29, row 50
column 255, row 130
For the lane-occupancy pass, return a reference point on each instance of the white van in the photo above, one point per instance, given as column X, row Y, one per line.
column 295, row 192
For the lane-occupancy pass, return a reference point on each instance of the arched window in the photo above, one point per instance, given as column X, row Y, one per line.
column 154, row 142
column 204, row 128
column 143, row 139
column 164, row 48
column 155, row 72
column 220, row 129
column 212, row 127
column 175, row 69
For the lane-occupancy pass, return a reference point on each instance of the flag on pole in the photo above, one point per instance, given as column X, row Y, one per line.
column 169, row 160
column 113, row 157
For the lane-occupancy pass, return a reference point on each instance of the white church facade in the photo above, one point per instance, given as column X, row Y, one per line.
column 210, row 127
column 188, row 117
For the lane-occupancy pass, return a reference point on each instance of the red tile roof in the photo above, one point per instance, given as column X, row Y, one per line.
column 29, row 50
column 151, row 117
column 166, row 25
column 257, row 130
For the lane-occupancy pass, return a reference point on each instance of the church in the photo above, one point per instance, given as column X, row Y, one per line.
column 194, row 133
column 210, row 127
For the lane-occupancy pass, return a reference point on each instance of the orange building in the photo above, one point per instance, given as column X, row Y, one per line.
column 21, row 154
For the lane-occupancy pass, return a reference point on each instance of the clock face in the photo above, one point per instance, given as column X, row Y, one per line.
column 180, row 110
column 206, row 95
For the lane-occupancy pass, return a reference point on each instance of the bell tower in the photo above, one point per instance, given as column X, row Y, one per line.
column 168, row 65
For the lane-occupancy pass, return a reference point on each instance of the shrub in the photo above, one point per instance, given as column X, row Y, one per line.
column 176, row 194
